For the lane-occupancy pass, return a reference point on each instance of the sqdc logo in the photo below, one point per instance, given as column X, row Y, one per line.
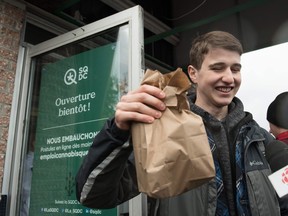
column 73, row 76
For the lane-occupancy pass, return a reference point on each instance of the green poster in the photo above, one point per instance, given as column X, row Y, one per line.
column 77, row 95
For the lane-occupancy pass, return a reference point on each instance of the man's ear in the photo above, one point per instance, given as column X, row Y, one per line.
column 192, row 72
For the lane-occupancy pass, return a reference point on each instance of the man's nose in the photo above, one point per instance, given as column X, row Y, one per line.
column 228, row 76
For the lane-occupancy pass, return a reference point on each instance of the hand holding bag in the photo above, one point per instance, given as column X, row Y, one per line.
column 172, row 154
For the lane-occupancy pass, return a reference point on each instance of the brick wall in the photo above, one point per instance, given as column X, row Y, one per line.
column 11, row 24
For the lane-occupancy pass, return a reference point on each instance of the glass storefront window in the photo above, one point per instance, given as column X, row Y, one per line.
column 75, row 89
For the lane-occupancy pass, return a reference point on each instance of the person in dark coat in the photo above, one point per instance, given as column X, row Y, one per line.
column 107, row 176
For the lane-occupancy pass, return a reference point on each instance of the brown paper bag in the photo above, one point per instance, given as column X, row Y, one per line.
column 172, row 154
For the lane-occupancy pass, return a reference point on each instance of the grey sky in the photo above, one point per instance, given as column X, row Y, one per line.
column 264, row 76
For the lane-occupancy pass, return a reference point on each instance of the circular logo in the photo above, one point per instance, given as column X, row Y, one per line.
column 70, row 77
column 285, row 176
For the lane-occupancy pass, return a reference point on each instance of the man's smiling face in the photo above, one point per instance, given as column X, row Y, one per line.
column 218, row 79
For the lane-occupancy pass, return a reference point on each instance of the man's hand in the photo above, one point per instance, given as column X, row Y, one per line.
column 142, row 105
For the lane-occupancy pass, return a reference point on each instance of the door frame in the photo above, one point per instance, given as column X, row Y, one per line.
column 22, row 95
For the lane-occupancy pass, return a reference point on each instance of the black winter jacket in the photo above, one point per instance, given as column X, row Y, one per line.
column 107, row 176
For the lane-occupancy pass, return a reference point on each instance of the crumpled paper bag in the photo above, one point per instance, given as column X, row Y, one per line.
column 172, row 155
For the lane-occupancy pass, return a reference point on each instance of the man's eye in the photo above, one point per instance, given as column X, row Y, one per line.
column 217, row 68
column 236, row 69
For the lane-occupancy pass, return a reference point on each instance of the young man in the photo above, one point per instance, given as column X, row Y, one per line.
column 107, row 176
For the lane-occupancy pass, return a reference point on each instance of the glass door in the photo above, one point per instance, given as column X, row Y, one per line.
column 75, row 81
